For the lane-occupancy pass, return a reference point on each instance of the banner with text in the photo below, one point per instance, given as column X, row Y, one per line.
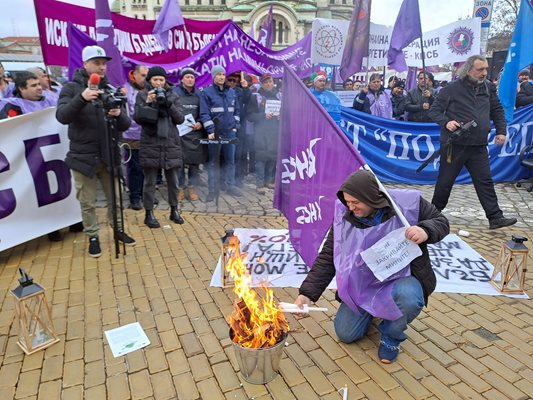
column 448, row 44
column 273, row 260
column 395, row 149
column 37, row 193
column 133, row 37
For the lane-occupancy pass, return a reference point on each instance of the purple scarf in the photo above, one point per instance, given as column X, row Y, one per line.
column 356, row 284
column 380, row 106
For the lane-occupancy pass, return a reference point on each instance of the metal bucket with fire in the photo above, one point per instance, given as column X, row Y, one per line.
column 259, row 366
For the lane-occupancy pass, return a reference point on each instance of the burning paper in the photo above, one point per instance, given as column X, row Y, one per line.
column 256, row 322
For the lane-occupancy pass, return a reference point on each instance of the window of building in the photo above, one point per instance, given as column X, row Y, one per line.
column 223, row 2
column 144, row 16
column 280, row 36
column 135, row 16
column 211, row 2
column 186, row 2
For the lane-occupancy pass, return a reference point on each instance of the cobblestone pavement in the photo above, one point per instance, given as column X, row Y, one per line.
column 460, row 347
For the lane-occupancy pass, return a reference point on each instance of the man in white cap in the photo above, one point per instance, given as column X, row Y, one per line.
column 219, row 110
column 88, row 156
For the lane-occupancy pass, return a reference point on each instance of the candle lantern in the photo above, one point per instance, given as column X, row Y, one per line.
column 510, row 270
column 36, row 329
column 230, row 249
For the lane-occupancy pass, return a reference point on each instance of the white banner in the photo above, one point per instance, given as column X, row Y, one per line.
column 37, row 193
column 448, row 44
column 327, row 40
column 272, row 259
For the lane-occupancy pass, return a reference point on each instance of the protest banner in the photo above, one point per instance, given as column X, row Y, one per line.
column 36, row 191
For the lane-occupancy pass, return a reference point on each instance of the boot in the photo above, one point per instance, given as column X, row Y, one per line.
column 175, row 215
column 181, row 195
column 193, row 196
column 149, row 219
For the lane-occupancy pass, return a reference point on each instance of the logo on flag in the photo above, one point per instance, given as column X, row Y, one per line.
column 329, row 41
column 460, row 40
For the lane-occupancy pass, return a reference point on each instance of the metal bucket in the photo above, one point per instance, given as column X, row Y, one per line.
column 259, row 366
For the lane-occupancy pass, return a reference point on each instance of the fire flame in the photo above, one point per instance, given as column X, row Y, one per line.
column 256, row 322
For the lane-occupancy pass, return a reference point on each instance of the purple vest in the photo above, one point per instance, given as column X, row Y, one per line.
column 29, row 106
column 356, row 284
column 380, row 106
column 134, row 133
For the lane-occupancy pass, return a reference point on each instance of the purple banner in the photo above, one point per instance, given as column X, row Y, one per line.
column 104, row 38
column 133, row 37
column 309, row 171
column 234, row 50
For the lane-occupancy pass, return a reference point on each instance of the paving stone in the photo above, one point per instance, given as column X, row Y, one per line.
column 50, row 390
column 226, row 377
column 209, row 389
column 28, row 384
column 507, row 388
column 96, row 393
column 372, row 391
column 210, row 343
column 73, row 393
column 438, row 389
column 94, row 374
column 317, row 380
column 200, row 367
column 136, row 361
column 118, row 388
column 140, row 384
column 190, row 344
column 9, row 374
column 339, row 380
column 279, row 389
column 52, row 368
column 169, row 340
column 73, row 373
column 74, row 350
column 412, row 385
column 185, row 387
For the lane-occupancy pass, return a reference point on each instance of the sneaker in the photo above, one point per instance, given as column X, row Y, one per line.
column 235, row 192
column 387, row 353
column 94, row 247
column 270, row 185
column 136, row 205
column 181, row 195
column 55, row 236
column 210, row 197
column 126, row 239
column 260, row 190
column 501, row 222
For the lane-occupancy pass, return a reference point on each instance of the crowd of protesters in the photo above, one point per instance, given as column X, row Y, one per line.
column 163, row 125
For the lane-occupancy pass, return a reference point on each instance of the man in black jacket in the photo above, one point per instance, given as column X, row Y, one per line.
column 470, row 98
column 525, row 94
column 364, row 215
column 80, row 108
column 420, row 99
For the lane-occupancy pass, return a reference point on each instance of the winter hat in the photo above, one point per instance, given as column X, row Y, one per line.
column 156, row 71
column 217, row 69
column 187, row 71
column 364, row 187
column 320, row 75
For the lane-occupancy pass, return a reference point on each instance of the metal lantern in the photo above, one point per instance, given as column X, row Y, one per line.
column 230, row 248
column 510, row 271
column 36, row 329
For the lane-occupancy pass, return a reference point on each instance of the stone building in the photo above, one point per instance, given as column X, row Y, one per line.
column 292, row 19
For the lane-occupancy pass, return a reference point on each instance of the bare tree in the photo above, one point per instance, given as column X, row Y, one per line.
column 504, row 14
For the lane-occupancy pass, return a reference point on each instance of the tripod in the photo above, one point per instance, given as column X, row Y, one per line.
column 115, row 176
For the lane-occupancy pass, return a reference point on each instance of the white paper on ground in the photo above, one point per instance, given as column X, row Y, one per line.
column 127, row 338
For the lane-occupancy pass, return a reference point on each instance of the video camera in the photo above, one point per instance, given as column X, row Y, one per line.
column 112, row 98
column 464, row 129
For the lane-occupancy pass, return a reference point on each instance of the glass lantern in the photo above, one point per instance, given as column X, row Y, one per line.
column 510, row 270
column 36, row 329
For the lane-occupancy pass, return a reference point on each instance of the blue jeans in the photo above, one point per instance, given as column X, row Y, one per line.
column 229, row 158
column 407, row 294
column 135, row 177
column 264, row 172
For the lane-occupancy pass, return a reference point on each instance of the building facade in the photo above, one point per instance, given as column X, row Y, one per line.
column 292, row 19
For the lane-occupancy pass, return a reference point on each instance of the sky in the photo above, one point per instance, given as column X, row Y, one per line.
column 20, row 20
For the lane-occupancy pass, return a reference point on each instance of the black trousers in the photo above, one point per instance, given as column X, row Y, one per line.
column 476, row 160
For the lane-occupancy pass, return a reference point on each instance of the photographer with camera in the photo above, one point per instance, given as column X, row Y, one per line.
column 158, row 111
column 81, row 106
column 470, row 98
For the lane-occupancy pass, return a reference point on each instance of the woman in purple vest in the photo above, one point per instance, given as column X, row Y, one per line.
column 364, row 215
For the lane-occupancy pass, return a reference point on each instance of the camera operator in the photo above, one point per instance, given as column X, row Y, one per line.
column 158, row 111
column 470, row 98
column 80, row 107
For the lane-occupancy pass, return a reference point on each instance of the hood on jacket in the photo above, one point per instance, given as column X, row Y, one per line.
column 363, row 186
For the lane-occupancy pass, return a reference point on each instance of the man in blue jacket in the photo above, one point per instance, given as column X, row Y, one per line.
column 219, row 111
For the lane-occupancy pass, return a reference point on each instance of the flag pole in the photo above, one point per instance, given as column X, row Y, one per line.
column 423, row 60
column 187, row 37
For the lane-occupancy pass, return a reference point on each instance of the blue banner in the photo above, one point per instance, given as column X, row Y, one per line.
column 395, row 149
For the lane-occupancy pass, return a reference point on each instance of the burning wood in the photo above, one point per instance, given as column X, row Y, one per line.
column 256, row 321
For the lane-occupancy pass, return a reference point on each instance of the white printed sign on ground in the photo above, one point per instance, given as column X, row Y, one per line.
column 272, row 259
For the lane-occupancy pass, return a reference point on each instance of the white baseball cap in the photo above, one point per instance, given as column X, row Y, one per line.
column 91, row 52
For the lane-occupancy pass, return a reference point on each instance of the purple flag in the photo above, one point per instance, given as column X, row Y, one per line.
column 314, row 159
column 266, row 33
column 169, row 17
column 406, row 29
column 411, row 82
column 357, row 40
column 77, row 40
column 105, row 38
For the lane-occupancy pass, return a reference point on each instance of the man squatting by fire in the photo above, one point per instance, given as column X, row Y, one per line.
column 364, row 215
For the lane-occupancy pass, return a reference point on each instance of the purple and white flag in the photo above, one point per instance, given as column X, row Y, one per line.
column 77, row 40
column 357, row 40
column 169, row 17
column 406, row 29
column 266, row 33
column 314, row 159
column 105, row 38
